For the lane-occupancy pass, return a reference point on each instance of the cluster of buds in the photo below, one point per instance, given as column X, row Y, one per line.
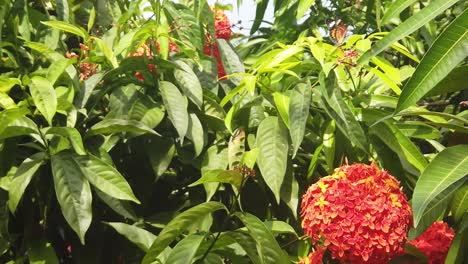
column 223, row 31
column 349, row 58
column 86, row 68
column 145, row 50
column 359, row 213
column 314, row 257
column 245, row 170
column 435, row 242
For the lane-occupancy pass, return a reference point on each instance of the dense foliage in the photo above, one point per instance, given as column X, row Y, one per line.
column 173, row 138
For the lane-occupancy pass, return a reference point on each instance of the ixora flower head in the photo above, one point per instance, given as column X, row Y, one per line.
column 359, row 213
column 223, row 31
column 435, row 242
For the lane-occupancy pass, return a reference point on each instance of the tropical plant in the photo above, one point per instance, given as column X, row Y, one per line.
column 133, row 138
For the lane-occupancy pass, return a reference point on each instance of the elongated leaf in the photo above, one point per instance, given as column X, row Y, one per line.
column 457, row 252
column 44, row 97
column 418, row 130
column 272, row 141
column 282, row 106
column 448, row 167
column 73, row 192
column 17, row 125
column 459, row 204
column 304, row 5
column 268, row 248
column 222, row 176
column 105, row 177
column 123, row 208
column 246, row 242
column 236, row 148
column 76, row 30
column 298, row 112
column 176, row 107
column 216, row 157
column 177, row 226
column 231, row 60
column 394, row 9
column 72, row 134
column 195, row 133
column 6, row 102
column 259, row 13
column 449, row 49
column 57, row 68
column 184, row 252
column 112, row 126
column 138, row 236
column 409, row 26
column 22, row 177
column 147, row 112
column 189, row 83
column 453, row 82
column 160, row 151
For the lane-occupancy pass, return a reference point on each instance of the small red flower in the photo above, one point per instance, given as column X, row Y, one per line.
column 359, row 213
column 314, row 257
column 86, row 68
column 435, row 242
column 217, row 55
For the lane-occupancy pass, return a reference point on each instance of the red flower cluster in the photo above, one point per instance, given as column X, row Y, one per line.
column 145, row 50
column 86, row 68
column 314, row 257
column 435, row 242
column 223, row 31
column 359, row 213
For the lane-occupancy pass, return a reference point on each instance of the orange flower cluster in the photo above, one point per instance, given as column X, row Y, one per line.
column 314, row 257
column 86, row 68
column 145, row 50
column 435, row 242
column 223, row 31
column 359, row 213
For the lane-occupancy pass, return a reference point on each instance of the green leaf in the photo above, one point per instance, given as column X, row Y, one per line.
column 123, row 208
column 160, row 151
column 189, row 83
column 177, row 226
column 448, row 167
column 267, row 246
column 222, row 176
column 195, row 133
column 394, row 9
column 246, row 242
column 418, row 129
column 216, row 158
column 147, row 112
column 138, row 236
column 176, row 107
column 272, row 141
column 298, row 112
column 329, row 144
column 399, row 143
column 290, row 191
column 457, row 252
column 57, row 68
column 236, row 148
column 282, row 106
column 73, row 192
column 459, row 204
column 63, row 10
column 6, row 102
column 22, row 177
column 9, row 116
column 44, row 97
column 72, row 134
column 261, row 6
column 231, row 60
column 304, row 5
column 105, row 177
column 185, row 250
column 41, row 252
column 111, row 126
column 449, row 49
column 409, row 26
column 453, row 82
column 76, row 30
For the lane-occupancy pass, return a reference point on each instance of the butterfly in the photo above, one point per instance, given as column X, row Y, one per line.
column 338, row 32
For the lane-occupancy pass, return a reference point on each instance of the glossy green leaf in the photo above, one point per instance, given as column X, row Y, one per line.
column 177, row 226
column 267, row 246
column 407, row 27
column 57, row 68
column 123, row 208
column 216, row 158
column 290, row 191
column 195, row 133
column 450, row 48
column 236, row 148
column 72, row 134
column 453, row 82
column 282, row 106
column 44, row 97
column 272, row 141
column 73, row 29
column 105, row 177
column 329, row 144
column 22, row 177
column 394, row 9
column 147, row 112
column 189, row 83
column 73, row 192
column 185, row 250
column 446, row 169
column 304, row 5
column 222, row 176
column 138, row 236
column 231, row 60
column 418, row 129
column 261, row 7
column 298, row 113
column 112, row 126
column 459, row 205
column 176, row 107
column 6, row 102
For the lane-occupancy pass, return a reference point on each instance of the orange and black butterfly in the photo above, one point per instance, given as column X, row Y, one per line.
column 338, row 32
